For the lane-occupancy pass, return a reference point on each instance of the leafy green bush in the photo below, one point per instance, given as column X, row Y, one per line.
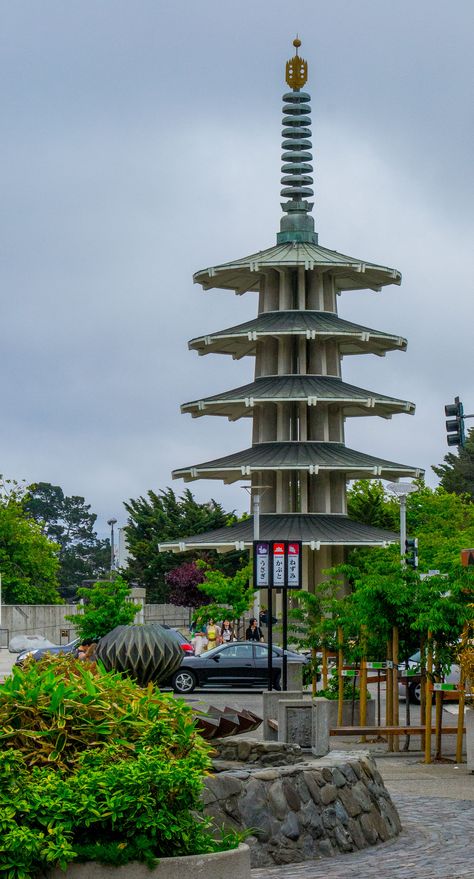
column 332, row 689
column 92, row 767
column 107, row 604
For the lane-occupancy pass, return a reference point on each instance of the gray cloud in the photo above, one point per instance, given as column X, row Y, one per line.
column 142, row 143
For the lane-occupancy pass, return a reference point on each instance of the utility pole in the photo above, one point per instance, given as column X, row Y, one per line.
column 112, row 522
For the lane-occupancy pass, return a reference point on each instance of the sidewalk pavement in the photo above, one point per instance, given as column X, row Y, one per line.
column 436, row 807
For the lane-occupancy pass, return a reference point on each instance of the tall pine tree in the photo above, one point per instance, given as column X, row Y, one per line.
column 163, row 516
column 457, row 472
column 69, row 522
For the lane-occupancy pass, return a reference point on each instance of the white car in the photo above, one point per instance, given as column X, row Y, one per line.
column 414, row 680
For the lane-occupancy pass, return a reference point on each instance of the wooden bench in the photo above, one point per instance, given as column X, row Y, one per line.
column 389, row 730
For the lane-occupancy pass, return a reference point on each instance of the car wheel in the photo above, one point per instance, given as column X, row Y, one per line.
column 277, row 681
column 184, row 681
column 415, row 693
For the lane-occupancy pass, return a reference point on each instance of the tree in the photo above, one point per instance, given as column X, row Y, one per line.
column 367, row 502
column 385, row 593
column 184, row 582
column 28, row 560
column 69, row 522
column 230, row 596
column 457, row 473
column 163, row 516
column 107, row 604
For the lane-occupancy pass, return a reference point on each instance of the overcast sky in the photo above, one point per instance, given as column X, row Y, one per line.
column 141, row 142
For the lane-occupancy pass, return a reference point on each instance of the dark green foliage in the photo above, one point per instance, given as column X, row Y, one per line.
column 69, row 522
column 28, row 560
column 107, row 605
column 457, row 473
column 383, row 593
column 160, row 517
column 93, row 766
column 349, row 691
column 367, row 502
column 229, row 596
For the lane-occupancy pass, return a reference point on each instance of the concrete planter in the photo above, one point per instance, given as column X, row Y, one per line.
column 469, row 721
column 325, row 718
column 219, row 865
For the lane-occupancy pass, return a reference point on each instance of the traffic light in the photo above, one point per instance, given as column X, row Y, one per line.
column 455, row 426
column 411, row 552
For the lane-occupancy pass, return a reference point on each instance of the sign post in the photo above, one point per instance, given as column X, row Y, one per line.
column 277, row 565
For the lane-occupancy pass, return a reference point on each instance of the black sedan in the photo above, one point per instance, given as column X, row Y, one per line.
column 242, row 664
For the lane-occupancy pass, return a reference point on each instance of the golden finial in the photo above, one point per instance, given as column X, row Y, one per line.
column 296, row 69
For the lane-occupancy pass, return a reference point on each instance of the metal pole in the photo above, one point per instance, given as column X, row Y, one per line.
column 256, row 536
column 428, row 698
column 285, row 639
column 270, row 638
column 112, row 548
column 112, row 522
column 403, row 526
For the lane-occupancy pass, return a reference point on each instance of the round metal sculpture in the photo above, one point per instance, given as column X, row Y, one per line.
column 148, row 652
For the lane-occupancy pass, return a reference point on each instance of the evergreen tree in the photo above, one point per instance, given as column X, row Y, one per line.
column 69, row 522
column 163, row 516
column 28, row 560
column 457, row 473
column 367, row 502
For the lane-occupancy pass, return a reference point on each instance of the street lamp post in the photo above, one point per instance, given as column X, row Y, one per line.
column 112, row 522
column 402, row 490
column 259, row 489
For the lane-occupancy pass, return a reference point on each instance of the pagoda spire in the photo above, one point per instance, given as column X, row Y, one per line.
column 297, row 181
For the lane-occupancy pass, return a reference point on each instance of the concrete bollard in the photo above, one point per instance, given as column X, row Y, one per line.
column 321, row 724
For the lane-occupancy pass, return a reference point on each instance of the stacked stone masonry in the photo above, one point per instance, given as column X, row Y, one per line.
column 306, row 810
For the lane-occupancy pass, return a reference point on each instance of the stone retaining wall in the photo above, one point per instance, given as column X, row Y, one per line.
column 318, row 808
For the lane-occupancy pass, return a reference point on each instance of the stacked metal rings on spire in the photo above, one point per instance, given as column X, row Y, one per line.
column 296, row 144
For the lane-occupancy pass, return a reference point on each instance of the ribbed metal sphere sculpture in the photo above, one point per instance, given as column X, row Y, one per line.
column 147, row 653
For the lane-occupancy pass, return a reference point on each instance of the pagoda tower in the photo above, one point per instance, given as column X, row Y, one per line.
column 298, row 401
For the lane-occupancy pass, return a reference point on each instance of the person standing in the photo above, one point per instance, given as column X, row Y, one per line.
column 213, row 635
column 199, row 641
column 227, row 632
column 253, row 632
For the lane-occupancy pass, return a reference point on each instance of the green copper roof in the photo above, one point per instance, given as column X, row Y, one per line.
column 313, row 529
column 350, row 273
column 352, row 338
column 311, row 456
column 239, row 402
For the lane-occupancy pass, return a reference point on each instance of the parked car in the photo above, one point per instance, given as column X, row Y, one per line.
column 184, row 642
column 20, row 643
column 43, row 651
column 241, row 663
column 414, row 679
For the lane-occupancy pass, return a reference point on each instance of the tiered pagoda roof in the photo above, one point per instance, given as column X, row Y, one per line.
column 349, row 273
column 352, row 338
column 313, row 457
column 314, row 530
column 311, row 389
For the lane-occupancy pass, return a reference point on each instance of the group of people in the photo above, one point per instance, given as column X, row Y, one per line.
column 211, row 635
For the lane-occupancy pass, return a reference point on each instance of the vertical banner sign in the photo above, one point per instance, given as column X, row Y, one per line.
column 293, row 564
column 279, row 565
column 261, row 564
